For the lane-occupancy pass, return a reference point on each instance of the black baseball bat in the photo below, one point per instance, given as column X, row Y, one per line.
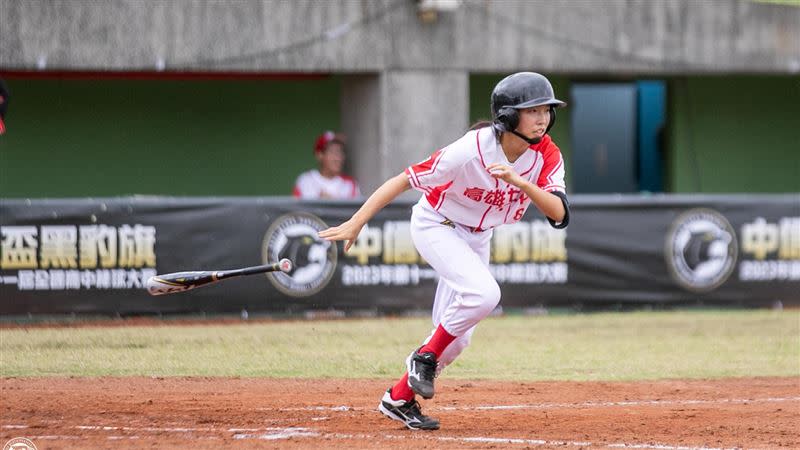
column 171, row 283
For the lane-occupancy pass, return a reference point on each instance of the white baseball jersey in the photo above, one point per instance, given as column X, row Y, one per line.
column 456, row 184
column 312, row 185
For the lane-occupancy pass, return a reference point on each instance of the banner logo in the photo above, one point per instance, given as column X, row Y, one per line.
column 77, row 257
column 19, row 444
column 770, row 250
column 701, row 250
column 294, row 236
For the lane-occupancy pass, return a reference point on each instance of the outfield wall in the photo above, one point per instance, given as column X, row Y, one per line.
column 94, row 255
column 96, row 136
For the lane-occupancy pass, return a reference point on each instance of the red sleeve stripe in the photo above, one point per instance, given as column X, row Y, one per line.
column 555, row 169
column 412, row 178
column 444, row 192
column 441, row 201
column 436, row 195
column 428, row 166
column 296, row 192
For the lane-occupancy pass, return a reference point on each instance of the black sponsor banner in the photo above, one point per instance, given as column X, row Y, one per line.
column 94, row 255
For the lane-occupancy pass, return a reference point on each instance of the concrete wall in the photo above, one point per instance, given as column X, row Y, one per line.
column 405, row 83
column 610, row 36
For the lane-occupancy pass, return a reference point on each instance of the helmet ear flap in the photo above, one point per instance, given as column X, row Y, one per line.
column 507, row 118
column 552, row 118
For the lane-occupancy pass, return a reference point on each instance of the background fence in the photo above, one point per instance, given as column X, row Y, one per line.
column 93, row 255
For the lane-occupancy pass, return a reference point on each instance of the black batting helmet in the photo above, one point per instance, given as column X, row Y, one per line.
column 518, row 91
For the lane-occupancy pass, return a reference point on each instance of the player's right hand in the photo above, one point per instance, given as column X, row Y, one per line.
column 505, row 173
column 348, row 231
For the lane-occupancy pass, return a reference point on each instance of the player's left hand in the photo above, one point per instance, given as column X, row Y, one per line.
column 347, row 231
column 505, row 173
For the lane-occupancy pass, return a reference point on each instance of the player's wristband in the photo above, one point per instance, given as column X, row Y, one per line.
column 565, row 202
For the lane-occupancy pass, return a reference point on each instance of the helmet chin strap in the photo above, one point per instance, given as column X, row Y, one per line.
column 527, row 139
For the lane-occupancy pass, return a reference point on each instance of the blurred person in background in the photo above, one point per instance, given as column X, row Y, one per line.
column 327, row 182
column 485, row 179
column 3, row 105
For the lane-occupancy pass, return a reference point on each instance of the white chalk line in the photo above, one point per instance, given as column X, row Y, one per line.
column 285, row 433
column 624, row 403
column 515, row 441
column 276, row 433
column 176, row 429
column 345, row 408
column 167, row 429
column 51, row 437
column 307, row 432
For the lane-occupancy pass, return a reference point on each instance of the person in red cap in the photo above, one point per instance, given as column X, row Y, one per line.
column 327, row 182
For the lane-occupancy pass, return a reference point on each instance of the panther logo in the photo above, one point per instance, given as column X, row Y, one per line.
column 294, row 236
column 701, row 250
column 19, row 444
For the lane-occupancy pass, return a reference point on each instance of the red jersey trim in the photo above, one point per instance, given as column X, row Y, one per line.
column 428, row 166
column 424, row 168
column 436, row 196
column 411, row 178
column 478, row 142
column 415, row 182
column 555, row 170
column 478, row 228
column 535, row 160
column 505, row 219
column 553, row 162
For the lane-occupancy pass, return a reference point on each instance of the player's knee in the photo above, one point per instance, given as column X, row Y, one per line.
column 491, row 296
column 493, row 293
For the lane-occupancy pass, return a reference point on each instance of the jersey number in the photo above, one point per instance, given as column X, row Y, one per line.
column 519, row 213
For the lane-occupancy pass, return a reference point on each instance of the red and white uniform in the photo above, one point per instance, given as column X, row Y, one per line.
column 452, row 222
column 457, row 185
column 312, row 185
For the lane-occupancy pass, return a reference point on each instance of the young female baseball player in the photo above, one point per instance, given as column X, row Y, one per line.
column 486, row 178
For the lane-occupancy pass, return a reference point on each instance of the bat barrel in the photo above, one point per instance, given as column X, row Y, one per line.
column 179, row 282
column 158, row 286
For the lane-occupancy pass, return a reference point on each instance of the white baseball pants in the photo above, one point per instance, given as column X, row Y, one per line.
column 467, row 291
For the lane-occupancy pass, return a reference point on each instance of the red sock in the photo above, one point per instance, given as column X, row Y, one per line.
column 401, row 390
column 439, row 341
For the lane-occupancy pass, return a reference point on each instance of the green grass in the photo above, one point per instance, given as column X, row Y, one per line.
column 780, row 2
column 614, row 346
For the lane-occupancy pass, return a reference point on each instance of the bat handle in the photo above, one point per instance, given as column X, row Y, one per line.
column 283, row 265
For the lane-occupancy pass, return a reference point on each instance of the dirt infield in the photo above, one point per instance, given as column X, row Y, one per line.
column 205, row 413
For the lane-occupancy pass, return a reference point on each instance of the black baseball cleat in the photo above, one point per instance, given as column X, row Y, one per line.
column 406, row 412
column 421, row 372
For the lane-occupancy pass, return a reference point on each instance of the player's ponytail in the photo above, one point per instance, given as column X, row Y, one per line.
column 480, row 124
